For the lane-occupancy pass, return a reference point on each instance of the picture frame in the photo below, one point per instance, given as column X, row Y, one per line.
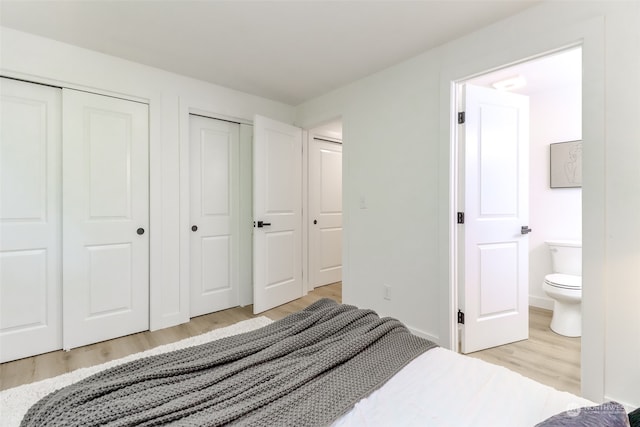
column 565, row 164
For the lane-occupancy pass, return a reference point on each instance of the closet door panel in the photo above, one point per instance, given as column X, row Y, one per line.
column 30, row 219
column 215, row 205
column 106, row 206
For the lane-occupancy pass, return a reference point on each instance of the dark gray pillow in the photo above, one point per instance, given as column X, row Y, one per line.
column 634, row 418
column 610, row 414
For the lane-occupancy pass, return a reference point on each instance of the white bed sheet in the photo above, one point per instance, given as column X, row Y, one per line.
column 443, row 388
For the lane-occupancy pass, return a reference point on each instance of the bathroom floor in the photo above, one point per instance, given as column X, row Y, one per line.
column 546, row 357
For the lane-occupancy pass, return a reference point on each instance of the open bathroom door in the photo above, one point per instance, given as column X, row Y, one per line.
column 494, row 286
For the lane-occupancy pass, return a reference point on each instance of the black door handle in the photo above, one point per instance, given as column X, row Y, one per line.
column 315, row 221
column 194, row 228
column 263, row 224
column 140, row 231
column 525, row 229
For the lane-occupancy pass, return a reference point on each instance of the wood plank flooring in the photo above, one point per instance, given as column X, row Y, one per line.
column 546, row 357
column 36, row 368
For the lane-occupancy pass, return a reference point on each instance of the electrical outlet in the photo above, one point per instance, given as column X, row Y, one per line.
column 386, row 292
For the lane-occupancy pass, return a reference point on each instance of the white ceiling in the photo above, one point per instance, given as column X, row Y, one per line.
column 289, row 51
column 561, row 69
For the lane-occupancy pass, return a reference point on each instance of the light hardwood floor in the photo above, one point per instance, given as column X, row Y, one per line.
column 546, row 357
column 36, row 368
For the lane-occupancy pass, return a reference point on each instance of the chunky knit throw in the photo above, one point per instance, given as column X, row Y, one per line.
column 304, row 370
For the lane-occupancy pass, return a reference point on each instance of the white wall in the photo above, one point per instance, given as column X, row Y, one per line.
column 171, row 97
column 397, row 210
column 398, row 216
column 555, row 213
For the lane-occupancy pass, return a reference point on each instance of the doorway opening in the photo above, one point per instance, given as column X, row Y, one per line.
column 553, row 84
column 324, row 204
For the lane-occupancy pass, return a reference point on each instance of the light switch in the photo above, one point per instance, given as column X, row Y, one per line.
column 363, row 203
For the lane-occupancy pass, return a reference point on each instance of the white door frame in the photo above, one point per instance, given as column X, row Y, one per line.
column 456, row 193
column 590, row 35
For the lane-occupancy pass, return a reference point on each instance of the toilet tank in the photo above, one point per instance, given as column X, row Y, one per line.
column 566, row 256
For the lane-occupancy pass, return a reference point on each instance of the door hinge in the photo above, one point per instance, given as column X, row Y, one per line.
column 460, row 217
column 460, row 317
column 461, row 117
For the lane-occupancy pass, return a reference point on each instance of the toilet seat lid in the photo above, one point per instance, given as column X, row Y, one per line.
column 567, row 281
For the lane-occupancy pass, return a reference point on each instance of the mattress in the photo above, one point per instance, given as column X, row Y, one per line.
column 442, row 388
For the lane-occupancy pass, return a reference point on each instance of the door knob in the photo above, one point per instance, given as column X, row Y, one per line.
column 525, row 229
column 263, row 224
column 194, row 228
column 140, row 231
column 315, row 221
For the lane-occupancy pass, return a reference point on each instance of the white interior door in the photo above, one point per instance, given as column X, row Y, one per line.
column 30, row 219
column 277, row 207
column 325, row 212
column 105, row 183
column 214, row 169
column 494, row 291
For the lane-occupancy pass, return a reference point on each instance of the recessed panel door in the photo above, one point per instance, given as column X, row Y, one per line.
column 214, row 186
column 494, row 295
column 105, row 185
column 325, row 212
column 277, row 207
column 30, row 219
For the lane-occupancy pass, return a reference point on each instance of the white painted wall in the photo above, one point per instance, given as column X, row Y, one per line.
column 171, row 97
column 398, row 216
column 555, row 213
column 396, row 173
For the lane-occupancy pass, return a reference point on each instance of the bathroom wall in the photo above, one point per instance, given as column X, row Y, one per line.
column 556, row 116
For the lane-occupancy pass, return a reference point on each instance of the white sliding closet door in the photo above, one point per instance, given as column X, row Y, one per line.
column 106, row 215
column 215, row 209
column 30, row 168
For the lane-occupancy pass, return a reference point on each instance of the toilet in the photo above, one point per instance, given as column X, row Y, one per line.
column 564, row 286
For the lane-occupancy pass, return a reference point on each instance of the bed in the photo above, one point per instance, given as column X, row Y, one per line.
column 329, row 364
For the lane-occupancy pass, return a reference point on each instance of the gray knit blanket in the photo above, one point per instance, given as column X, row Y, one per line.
column 307, row 369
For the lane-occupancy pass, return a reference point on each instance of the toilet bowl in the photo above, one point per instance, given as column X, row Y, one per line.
column 564, row 286
column 566, row 291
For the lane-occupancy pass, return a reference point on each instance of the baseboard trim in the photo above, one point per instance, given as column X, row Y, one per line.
column 628, row 406
column 541, row 302
column 423, row 334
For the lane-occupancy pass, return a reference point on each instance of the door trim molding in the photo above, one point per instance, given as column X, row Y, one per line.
column 589, row 35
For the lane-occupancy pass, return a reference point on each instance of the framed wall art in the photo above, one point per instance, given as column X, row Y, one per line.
column 566, row 164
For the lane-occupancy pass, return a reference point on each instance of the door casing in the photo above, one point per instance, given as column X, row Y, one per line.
column 455, row 190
